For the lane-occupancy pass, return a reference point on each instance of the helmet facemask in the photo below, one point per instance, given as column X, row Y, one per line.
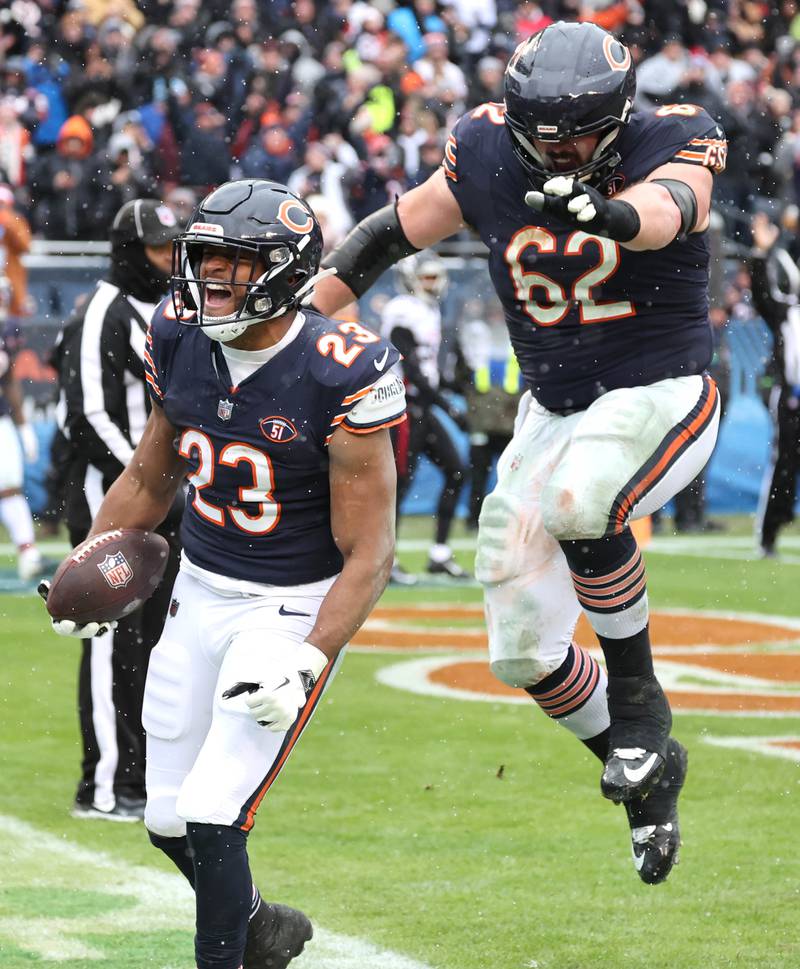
column 267, row 291
column 595, row 172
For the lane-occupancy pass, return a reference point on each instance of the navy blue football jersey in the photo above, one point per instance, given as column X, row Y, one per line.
column 586, row 315
column 259, row 496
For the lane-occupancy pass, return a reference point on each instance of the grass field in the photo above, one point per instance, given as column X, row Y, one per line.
column 395, row 828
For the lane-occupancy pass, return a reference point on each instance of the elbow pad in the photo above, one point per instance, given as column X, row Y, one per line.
column 376, row 243
column 683, row 196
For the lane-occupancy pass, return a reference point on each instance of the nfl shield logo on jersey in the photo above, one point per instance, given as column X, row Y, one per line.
column 116, row 571
column 224, row 410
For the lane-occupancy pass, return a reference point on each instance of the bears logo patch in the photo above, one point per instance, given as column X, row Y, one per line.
column 278, row 430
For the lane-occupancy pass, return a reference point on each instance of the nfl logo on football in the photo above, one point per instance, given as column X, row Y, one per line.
column 116, row 571
column 224, row 410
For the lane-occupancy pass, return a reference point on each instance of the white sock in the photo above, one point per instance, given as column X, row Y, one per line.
column 16, row 516
column 440, row 553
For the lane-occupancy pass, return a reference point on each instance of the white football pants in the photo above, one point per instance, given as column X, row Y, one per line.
column 584, row 475
column 207, row 759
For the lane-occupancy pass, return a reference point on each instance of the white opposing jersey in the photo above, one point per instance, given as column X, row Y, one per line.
column 424, row 321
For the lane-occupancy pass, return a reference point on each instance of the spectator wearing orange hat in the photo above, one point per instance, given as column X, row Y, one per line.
column 63, row 186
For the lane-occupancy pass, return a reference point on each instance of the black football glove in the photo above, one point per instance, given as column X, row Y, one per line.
column 578, row 204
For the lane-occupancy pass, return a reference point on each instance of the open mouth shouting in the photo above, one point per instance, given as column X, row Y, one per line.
column 220, row 299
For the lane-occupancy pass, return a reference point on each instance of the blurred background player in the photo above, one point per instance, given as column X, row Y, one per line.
column 18, row 444
column 487, row 374
column 413, row 323
column 776, row 296
column 103, row 409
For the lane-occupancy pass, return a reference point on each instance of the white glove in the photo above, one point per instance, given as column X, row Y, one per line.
column 68, row 627
column 276, row 700
column 29, row 441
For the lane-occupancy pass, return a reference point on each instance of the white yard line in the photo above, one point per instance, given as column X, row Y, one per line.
column 781, row 746
column 157, row 900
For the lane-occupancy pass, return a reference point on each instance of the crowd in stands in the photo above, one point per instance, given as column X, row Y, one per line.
column 350, row 102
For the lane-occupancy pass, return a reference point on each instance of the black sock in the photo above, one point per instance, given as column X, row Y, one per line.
column 630, row 656
column 224, row 893
column 599, row 744
column 178, row 851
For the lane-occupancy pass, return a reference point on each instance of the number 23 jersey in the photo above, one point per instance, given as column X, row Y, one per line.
column 259, row 496
column 586, row 315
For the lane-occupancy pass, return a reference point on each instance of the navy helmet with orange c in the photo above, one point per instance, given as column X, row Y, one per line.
column 567, row 81
column 259, row 221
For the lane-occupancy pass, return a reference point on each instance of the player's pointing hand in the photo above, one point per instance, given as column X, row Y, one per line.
column 576, row 203
column 276, row 699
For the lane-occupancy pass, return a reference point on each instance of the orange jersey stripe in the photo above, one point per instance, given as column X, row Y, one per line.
column 357, row 395
column 655, row 472
column 308, row 709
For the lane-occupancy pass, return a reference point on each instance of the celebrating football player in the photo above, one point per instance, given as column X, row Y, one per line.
column 595, row 218
column 280, row 418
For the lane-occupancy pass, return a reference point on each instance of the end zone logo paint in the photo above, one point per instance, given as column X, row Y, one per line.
column 278, row 430
column 115, row 570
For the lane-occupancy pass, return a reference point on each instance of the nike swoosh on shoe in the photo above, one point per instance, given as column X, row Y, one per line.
column 636, row 774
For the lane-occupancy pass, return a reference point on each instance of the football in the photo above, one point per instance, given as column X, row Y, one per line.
column 108, row 576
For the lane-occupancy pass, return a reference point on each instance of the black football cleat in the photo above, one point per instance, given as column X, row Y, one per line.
column 275, row 936
column 655, row 833
column 125, row 809
column 640, row 726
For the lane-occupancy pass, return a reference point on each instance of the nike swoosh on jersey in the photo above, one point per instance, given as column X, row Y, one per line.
column 380, row 364
column 283, row 611
column 285, row 683
column 639, row 772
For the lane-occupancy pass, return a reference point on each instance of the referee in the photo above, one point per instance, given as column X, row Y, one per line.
column 103, row 407
column 776, row 297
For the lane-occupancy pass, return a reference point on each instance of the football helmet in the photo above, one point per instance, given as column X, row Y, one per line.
column 423, row 275
column 567, row 81
column 248, row 218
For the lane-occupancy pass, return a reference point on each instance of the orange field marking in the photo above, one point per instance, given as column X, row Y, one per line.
column 689, row 648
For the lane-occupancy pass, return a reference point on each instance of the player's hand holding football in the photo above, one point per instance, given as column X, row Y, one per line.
column 578, row 204
column 68, row 627
column 275, row 700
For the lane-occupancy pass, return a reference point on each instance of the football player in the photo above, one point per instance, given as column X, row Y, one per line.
column 412, row 320
column 595, row 218
column 18, row 444
column 279, row 417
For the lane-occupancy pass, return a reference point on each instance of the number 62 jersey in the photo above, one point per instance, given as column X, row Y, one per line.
column 586, row 315
column 259, row 497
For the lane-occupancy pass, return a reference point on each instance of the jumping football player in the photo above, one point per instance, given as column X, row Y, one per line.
column 595, row 217
column 280, row 418
column 412, row 320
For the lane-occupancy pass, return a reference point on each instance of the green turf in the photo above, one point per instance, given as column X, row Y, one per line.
column 393, row 821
